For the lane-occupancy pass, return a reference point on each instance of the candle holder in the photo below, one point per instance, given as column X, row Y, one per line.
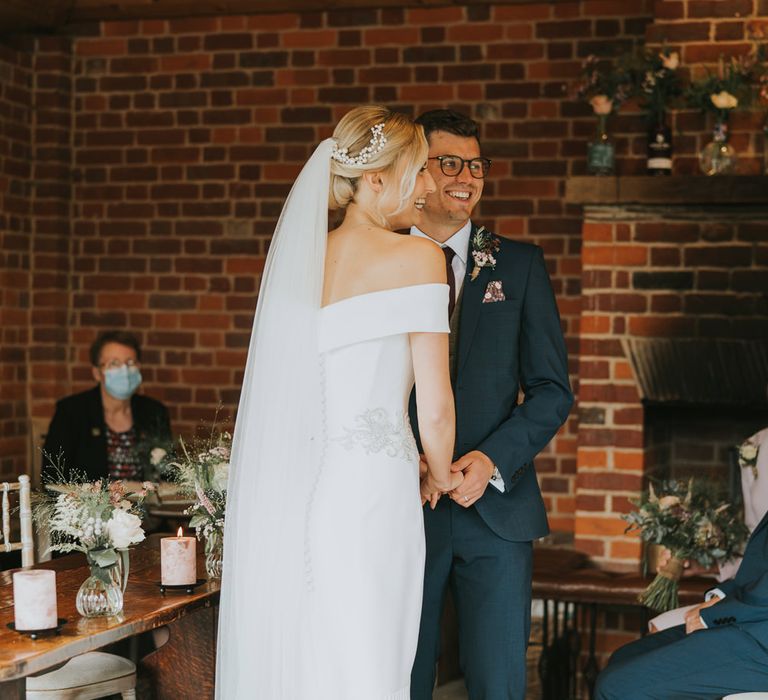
column 187, row 588
column 37, row 634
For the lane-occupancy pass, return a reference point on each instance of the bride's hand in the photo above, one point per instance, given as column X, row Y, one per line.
column 431, row 490
column 429, row 493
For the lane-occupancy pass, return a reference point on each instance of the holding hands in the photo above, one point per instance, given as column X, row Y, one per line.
column 470, row 477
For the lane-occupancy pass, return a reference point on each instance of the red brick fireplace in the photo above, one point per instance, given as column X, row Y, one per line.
column 673, row 339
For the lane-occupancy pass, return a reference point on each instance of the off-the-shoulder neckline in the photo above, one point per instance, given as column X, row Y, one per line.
column 381, row 291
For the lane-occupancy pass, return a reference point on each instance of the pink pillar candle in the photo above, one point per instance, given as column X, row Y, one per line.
column 34, row 599
column 178, row 561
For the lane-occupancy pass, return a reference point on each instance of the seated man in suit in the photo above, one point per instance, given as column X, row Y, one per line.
column 107, row 431
column 721, row 649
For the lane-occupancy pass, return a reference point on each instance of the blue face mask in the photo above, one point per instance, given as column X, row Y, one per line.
column 121, row 382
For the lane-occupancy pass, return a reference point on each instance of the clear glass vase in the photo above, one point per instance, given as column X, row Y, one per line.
column 101, row 594
column 718, row 157
column 601, row 153
column 214, row 555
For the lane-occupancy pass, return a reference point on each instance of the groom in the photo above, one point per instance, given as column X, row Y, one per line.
column 505, row 339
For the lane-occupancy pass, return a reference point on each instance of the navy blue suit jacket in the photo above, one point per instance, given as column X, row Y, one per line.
column 746, row 601
column 504, row 348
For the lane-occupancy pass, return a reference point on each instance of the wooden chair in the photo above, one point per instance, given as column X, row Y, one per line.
column 88, row 676
column 25, row 543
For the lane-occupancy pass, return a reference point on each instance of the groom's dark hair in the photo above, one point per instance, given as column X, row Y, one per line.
column 450, row 121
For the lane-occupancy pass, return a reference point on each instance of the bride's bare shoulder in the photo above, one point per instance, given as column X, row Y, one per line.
column 418, row 261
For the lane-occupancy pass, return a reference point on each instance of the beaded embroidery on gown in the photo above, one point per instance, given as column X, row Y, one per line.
column 364, row 558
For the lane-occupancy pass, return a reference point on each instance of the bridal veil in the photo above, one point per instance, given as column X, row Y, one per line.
column 275, row 457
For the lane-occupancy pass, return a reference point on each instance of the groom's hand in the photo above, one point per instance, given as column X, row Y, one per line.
column 478, row 470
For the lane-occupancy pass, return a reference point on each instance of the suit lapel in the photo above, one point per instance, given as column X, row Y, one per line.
column 760, row 525
column 472, row 297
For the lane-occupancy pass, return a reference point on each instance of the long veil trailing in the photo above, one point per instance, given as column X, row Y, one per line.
column 275, row 458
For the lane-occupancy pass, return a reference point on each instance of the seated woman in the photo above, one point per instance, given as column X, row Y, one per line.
column 107, row 431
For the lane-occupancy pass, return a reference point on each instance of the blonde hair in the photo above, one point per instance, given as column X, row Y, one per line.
column 403, row 155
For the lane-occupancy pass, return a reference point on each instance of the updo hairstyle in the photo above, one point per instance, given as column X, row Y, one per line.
column 402, row 156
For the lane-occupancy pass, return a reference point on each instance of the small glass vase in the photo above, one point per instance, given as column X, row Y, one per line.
column 718, row 157
column 101, row 594
column 601, row 153
column 214, row 555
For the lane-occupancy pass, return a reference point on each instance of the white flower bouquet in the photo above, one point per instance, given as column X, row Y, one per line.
column 202, row 473
column 101, row 519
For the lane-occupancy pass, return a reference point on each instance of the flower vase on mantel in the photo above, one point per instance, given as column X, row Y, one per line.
column 601, row 153
column 660, row 147
column 718, row 157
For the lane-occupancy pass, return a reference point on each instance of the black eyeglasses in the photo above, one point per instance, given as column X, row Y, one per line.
column 453, row 165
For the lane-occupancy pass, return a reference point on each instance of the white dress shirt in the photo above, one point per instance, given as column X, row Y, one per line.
column 459, row 243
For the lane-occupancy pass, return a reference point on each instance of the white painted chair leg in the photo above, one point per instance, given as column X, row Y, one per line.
column 129, row 694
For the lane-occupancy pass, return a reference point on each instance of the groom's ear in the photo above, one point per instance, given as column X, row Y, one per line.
column 374, row 180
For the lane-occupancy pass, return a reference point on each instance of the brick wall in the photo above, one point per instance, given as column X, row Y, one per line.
column 186, row 134
column 15, row 144
column 34, row 235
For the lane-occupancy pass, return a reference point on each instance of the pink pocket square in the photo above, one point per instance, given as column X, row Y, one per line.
column 493, row 292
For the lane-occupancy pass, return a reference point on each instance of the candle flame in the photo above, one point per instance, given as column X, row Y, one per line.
column 180, row 532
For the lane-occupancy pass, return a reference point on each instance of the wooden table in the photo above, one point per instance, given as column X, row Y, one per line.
column 182, row 668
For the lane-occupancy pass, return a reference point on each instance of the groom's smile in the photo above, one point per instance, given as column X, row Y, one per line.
column 457, row 195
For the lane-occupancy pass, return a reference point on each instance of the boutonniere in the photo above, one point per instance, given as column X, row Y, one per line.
column 484, row 245
column 748, row 456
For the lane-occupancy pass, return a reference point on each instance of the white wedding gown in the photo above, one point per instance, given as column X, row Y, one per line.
column 364, row 558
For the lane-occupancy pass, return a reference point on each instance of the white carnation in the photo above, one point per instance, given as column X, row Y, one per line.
column 124, row 529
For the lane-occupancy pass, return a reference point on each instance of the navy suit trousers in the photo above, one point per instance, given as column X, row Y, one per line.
column 670, row 665
column 490, row 578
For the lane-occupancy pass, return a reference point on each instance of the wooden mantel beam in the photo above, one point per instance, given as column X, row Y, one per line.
column 29, row 15
column 98, row 10
column 24, row 15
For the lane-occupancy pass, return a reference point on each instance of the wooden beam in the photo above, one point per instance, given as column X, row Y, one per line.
column 112, row 10
column 674, row 190
column 18, row 16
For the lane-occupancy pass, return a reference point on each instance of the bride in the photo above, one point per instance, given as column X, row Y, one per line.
column 324, row 552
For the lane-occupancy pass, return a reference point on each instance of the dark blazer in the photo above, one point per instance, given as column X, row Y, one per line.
column 78, row 432
column 506, row 347
column 746, row 595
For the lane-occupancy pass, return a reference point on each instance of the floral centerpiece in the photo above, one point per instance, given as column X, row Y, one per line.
column 101, row 519
column 719, row 94
column 656, row 81
column 605, row 86
column 202, row 474
column 687, row 520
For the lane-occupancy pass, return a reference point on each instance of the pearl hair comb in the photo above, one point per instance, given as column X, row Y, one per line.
column 376, row 144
